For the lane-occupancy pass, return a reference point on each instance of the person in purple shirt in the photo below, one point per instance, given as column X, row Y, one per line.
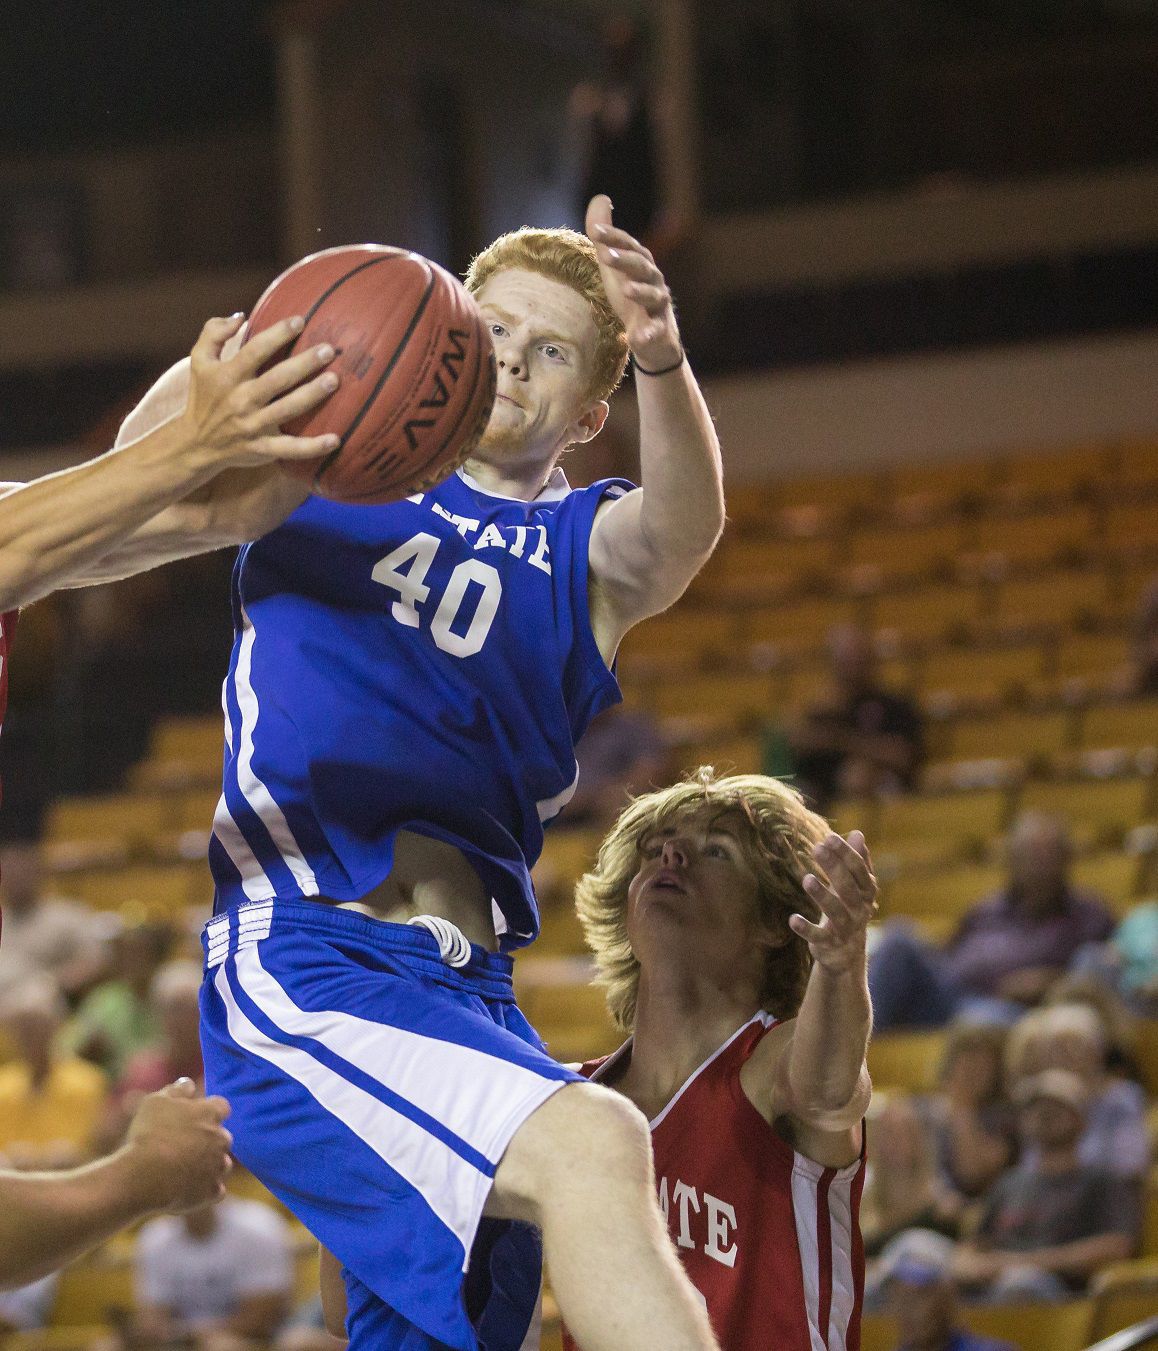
column 922, row 1296
column 1008, row 948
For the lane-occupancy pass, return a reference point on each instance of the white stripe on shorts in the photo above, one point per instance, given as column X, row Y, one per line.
column 479, row 1097
column 453, row 1189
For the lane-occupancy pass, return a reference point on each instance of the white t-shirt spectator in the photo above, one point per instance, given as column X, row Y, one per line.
column 203, row 1280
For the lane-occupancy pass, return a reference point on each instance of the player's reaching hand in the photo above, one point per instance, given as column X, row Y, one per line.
column 236, row 409
column 847, row 903
column 179, row 1148
column 636, row 289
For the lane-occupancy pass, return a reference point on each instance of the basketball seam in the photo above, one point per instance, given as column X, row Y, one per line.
column 357, row 422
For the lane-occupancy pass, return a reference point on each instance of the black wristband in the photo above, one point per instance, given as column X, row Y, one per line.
column 664, row 370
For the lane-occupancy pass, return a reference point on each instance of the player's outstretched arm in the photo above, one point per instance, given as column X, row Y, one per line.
column 54, row 530
column 647, row 546
column 814, row 1073
column 176, row 1157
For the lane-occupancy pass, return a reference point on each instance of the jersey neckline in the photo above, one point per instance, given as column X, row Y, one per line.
column 554, row 490
column 616, row 1056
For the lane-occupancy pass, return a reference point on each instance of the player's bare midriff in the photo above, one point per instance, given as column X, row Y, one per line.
column 430, row 877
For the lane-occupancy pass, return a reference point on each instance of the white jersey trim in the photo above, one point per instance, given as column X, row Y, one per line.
column 624, row 1052
column 252, row 788
column 554, row 490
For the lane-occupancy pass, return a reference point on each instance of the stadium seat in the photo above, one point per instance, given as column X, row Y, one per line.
column 982, row 674
column 684, row 636
column 828, row 491
column 195, row 808
column 93, row 1290
column 769, row 565
column 1032, row 1327
column 1058, row 598
column 1123, row 1294
column 1039, row 538
column 1131, row 529
column 1022, row 735
column 798, row 627
column 1099, row 811
column 732, row 694
column 1133, row 724
column 945, row 894
column 939, row 826
column 1113, row 875
column 951, row 481
column 1050, row 475
column 571, row 1018
column 898, row 552
column 1093, row 657
column 928, row 614
column 194, row 741
column 905, row 1061
column 879, row 1332
column 158, row 889
column 81, row 1338
column 131, row 820
column 1136, row 465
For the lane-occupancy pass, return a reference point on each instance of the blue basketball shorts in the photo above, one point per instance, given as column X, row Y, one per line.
column 374, row 1089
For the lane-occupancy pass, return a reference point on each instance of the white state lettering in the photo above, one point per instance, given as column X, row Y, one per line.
column 663, row 1201
column 686, row 1197
column 541, row 558
column 463, row 524
column 416, row 499
column 720, row 1216
column 520, row 541
column 491, row 538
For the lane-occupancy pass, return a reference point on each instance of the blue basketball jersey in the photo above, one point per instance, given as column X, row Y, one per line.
column 428, row 666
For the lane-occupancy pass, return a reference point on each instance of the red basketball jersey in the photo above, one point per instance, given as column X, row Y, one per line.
column 770, row 1239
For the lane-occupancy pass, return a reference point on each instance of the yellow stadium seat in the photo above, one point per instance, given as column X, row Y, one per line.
column 905, row 1060
column 1041, row 537
column 728, row 755
column 571, row 1018
column 1132, row 527
column 1054, row 474
column 1136, row 463
column 846, row 490
column 159, row 889
column 81, row 1338
column 939, row 826
column 927, row 614
column 1025, row 735
column 1032, row 1327
column 1094, row 657
column 92, row 1290
column 802, row 626
column 730, row 694
column 771, row 565
column 307, row 1269
column 1123, row 1294
column 1114, row 876
column 1098, row 810
column 946, row 894
column 982, row 674
column 905, row 551
column 561, row 934
column 949, row 480
column 750, row 503
column 861, row 814
column 684, row 635
column 879, row 1332
column 195, row 808
column 1059, row 598
column 1133, row 724
column 130, row 819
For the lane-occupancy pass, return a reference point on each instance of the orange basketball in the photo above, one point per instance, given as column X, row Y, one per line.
column 416, row 363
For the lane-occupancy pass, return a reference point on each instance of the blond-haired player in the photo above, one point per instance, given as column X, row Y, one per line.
column 728, row 925
column 407, row 685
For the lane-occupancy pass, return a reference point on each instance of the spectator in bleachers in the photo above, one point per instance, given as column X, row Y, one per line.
column 28, row 1307
column 117, row 1018
column 922, row 1296
column 176, row 1053
column 1118, row 1024
column 623, row 753
column 972, row 1120
column 50, row 1104
column 1071, row 1037
column 1007, row 950
column 861, row 741
column 902, row 1190
column 219, row 1278
column 1140, row 678
column 1127, row 965
column 43, row 933
column 1051, row 1223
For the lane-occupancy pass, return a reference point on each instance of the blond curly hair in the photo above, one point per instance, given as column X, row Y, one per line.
column 568, row 257
column 776, row 832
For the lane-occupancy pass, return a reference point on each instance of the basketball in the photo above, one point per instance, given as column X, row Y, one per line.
column 416, row 364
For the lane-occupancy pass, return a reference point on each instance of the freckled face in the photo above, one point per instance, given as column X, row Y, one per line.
column 544, row 336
